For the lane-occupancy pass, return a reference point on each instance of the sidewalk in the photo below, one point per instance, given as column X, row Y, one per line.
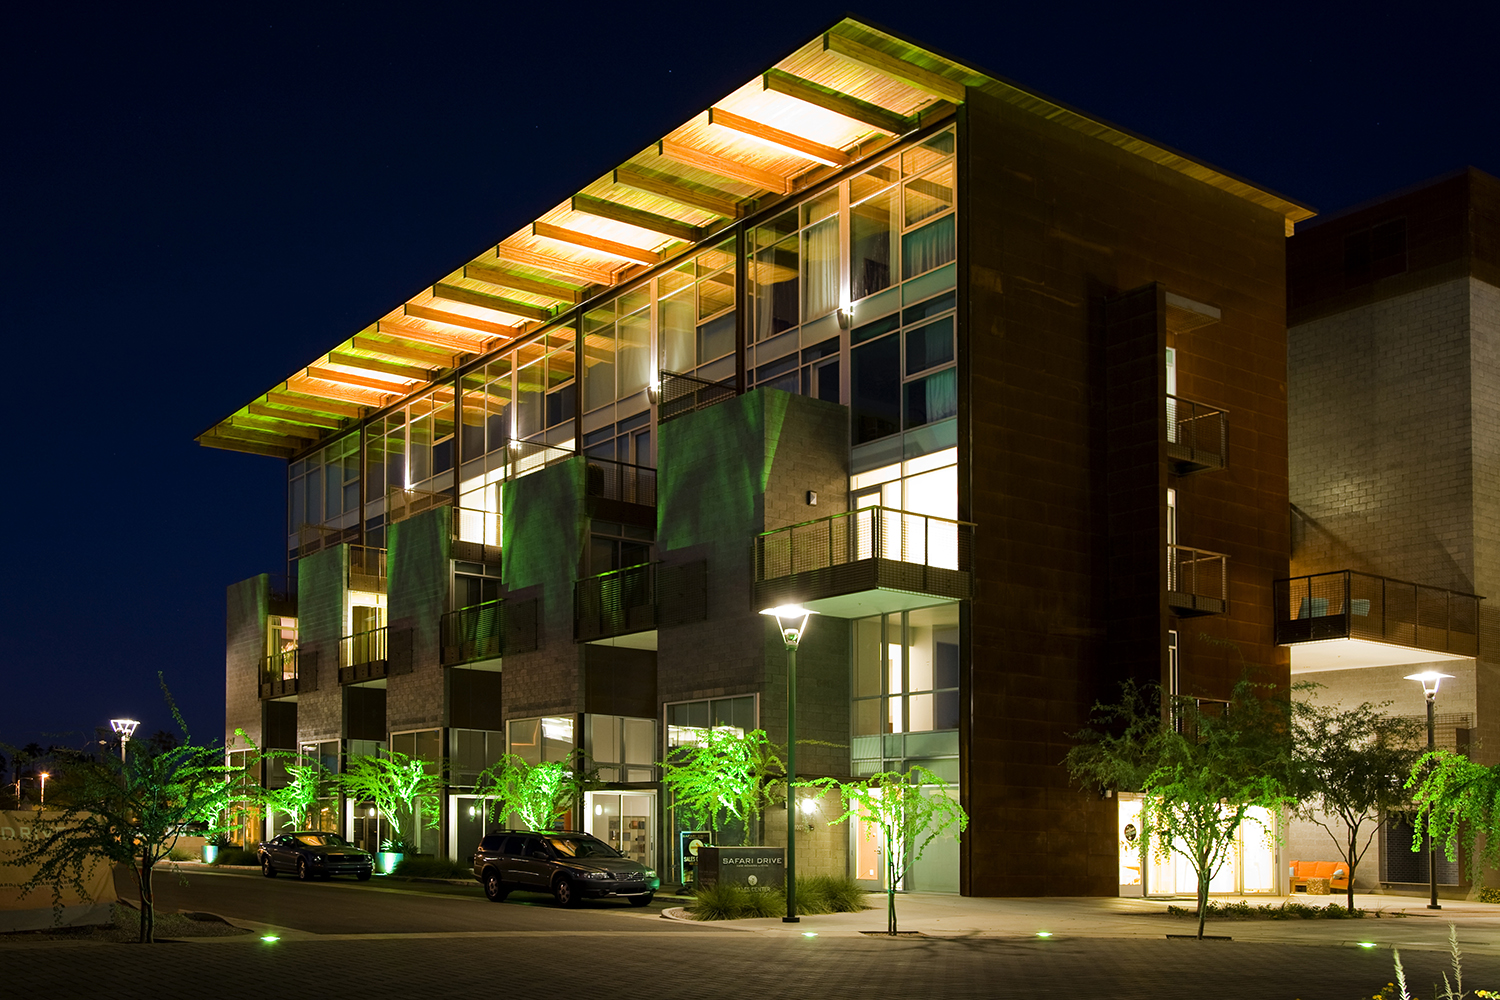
column 1400, row 921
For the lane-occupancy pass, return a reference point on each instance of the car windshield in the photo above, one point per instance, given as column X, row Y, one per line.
column 321, row 840
column 582, row 847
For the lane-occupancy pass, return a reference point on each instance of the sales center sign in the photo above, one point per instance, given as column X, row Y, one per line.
column 759, row 869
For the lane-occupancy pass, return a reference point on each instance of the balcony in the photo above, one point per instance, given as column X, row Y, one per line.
column 278, row 672
column 1197, row 581
column 684, row 394
column 363, row 656
column 864, row 562
column 367, row 569
column 489, row 631
column 617, row 603
column 619, row 491
column 1379, row 620
column 1197, row 436
column 477, row 535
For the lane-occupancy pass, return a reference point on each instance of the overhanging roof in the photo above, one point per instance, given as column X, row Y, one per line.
column 843, row 97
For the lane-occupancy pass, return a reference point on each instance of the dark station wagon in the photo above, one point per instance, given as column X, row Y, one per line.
column 572, row 866
column 314, row 854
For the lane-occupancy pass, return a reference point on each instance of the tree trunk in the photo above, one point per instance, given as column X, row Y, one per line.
column 1202, row 899
column 890, row 894
column 1353, row 848
column 148, row 906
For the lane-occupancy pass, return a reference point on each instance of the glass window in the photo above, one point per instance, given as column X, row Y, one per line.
column 875, row 389
column 929, row 195
column 820, row 258
column 776, row 278
column 906, row 672
column 872, row 241
column 932, row 398
column 931, row 246
column 929, row 346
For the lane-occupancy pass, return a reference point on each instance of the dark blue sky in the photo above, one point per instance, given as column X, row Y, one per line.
column 201, row 199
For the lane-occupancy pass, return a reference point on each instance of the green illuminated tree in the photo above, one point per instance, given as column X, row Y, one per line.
column 538, row 793
column 299, row 795
column 726, row 775
column 911, row 810
column 129, row 813
column 1201, row 771
column 1458, row 803
column 404, row 789
column 1349, row 764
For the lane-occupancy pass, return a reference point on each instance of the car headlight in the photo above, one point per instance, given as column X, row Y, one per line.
column 649, row 873
column 595, row 874
column 318, row 859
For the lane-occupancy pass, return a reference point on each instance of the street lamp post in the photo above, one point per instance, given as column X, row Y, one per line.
column 792, row 620
column 44, row 776
column 1430, row 679
column 126, row 729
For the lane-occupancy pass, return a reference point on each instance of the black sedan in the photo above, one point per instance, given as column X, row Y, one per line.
column 314, row 854
column 570, row 865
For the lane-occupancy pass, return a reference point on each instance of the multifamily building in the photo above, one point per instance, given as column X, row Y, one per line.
column 1394, row 398
column 994, row 387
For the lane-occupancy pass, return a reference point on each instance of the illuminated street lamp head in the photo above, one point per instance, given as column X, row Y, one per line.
column 793, row 621
column 1430, row 680
column 125, row 727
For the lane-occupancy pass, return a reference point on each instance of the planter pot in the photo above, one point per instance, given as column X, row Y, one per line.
column 210, row 854
column 386, row 861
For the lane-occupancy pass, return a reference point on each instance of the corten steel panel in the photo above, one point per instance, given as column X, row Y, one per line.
column 620, row 681
column 475, row 697
column 1055, row 224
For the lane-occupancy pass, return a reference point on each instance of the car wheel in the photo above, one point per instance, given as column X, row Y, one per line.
column 266, row 868
column 364, row 876
column 303, row 872
column 640, row 900
column 494, row 889
column 565, row 893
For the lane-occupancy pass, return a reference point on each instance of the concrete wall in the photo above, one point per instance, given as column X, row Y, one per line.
column 246, row 610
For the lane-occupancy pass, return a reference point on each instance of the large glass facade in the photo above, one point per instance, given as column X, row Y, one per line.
column 906, row 667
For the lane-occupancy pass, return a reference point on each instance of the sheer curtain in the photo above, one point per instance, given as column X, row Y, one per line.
column 820, row 257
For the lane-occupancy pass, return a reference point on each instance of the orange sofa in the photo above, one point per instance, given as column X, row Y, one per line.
column 1333, row 871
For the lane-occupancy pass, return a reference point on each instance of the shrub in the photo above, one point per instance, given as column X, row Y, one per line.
column 1489, row 894
column 815, row 894
column 235, row 856
column 722, row 901
column 421, row 867
column 1242, row 910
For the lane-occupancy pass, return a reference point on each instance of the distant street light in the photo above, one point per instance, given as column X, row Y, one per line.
column 44, row 776
column 126, row 729
column 793, row 622
column 1430, row 679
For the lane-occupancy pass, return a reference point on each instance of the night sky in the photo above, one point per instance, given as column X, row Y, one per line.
column 199, row 200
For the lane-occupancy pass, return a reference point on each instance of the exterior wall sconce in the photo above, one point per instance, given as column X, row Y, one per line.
column 846, row 317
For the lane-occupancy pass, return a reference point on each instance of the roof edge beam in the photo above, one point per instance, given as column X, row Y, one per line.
column 461, row 343
column 497, row 303
column 723, row 205
column 898, row 69
column 319, row 404
column 211, row 440
column 359, row 381
column 492, row 275
column 622, row 250
column 830, row 156
column 591, row 273
column 839, row 103
column 483, row 327
column 381, row 367
column 761, row 180
column 307, row 419
column 641, row 219
column 406, row 352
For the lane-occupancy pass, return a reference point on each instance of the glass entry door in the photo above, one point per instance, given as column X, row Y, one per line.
column 625, row 821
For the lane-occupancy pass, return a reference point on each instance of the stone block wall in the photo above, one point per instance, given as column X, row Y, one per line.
column 417, row 564
column 246, row 610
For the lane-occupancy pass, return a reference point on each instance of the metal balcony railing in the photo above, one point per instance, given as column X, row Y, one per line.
column 362, row 656
column 367, row 569
column 684, row 394
column 1348, row 605
column 607, row 479
column 489, row 631
column 616, row 603
column 278, row 673
column 1197, row 435
column 401, row 504
column 866, row 549
column 1197, row 581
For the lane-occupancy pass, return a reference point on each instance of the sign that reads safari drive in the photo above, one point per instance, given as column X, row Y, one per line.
column 759, row 869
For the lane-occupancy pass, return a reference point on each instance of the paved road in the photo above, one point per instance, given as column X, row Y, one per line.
column 388, row 940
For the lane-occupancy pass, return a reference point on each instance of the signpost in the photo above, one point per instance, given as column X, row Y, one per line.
column 759, row 869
